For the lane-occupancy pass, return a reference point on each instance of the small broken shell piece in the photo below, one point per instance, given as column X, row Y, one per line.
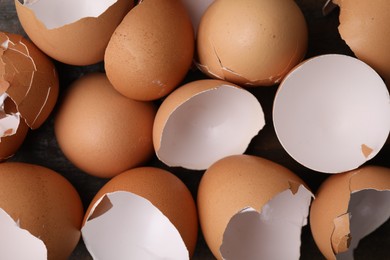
column 348, row 207
column 204, row 121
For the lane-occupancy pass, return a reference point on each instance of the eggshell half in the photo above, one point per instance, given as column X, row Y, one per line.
column 38, row 205
column 150, row 209
column 73, row 31
column 332, row 113
column 349, row 206
column 204, row 121
column 251, row 208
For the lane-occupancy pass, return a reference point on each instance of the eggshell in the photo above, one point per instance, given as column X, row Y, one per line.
column 151, row 51
column 102, row 132
column 250, row 208
column 349, row 206
column 204, row 121
column 196, row 10
column 364, row 27
column 150, row 208
column 44, row 204
column 332, row 113
column 73, row 32
column 251, row 42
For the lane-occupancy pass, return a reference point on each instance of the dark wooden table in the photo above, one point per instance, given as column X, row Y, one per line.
column 41, row 147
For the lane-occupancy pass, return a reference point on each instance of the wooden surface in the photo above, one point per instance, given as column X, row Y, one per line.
column 41, row 147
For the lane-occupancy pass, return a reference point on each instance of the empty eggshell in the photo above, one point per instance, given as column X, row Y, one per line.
column 204, row 121
column 250, row 208
column 349, row 206
column 251, row 42
column 40, row 211
column 73, row 31
column 332, row 113
column 150, row 209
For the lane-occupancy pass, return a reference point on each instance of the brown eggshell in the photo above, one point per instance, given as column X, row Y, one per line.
column 102, row 132
column 82, row 42
column 364, row 27
column 165, row 191
column 10, row 144
column 233, row 184
column 251, row 42
column 44, row 203
column 151, row 51
column 329, row 213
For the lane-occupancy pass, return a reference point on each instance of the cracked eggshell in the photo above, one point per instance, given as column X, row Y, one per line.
column 349, row 206
column 204, row 121
column 150, row 208
column 151, row 51
column 266, row 200
column 332, row 113
column 251, row 42
column 102, row 132
column 73, row 32
column 43, row 207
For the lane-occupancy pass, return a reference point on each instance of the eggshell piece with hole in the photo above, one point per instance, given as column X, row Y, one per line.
column 251, row 42
column 204, row 121
column 151, row 51
column 348, row 207
column 102, row 132
column 73, row 32
column 250, row 207
column 42, row 203
column 148, row 207
column 332, row 113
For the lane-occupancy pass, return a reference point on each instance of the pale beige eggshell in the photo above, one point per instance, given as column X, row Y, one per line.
column 82, row 42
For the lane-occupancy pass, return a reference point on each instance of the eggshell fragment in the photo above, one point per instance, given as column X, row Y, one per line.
column 251, row 42
column 74, row 32
column 250, row 208
column 41, row 202
column 204, row 121
column 332, row 113
column 150, row 209
column 348, row 207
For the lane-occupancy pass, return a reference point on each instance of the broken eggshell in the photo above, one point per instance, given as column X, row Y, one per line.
column 29, row 90
column 250, row 208
column 204, row 121
column 40, row 213
column 150, row 209
column 332, row 113
column 349, row 206
column 73, row 32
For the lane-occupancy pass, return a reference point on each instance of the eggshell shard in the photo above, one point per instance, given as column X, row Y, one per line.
column 251, row 42
column 149, row 208
column 250, row 207
column 151, row 51
column 360, row 205
column 332, row 113
column 42, row 203
column 73, row 32
column 204, row 121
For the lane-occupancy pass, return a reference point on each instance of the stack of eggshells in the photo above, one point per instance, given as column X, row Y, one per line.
column 331, row 113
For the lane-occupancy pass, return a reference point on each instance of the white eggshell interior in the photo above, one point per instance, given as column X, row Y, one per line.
column 332, row 113
column 9, row 123
column 209, row 126
column 196, row 10
column 123, row 225
column 57, row 13
column 273, row 233
column 18, row 243
column 369, row 209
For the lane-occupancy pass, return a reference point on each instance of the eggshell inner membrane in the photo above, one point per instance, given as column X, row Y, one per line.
column 9, row 122
column 123, row 216
column 57, row 13
column 332, row 113
column 261, row 235
column 13, row 238
column 368, row 209
column 209, row 126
